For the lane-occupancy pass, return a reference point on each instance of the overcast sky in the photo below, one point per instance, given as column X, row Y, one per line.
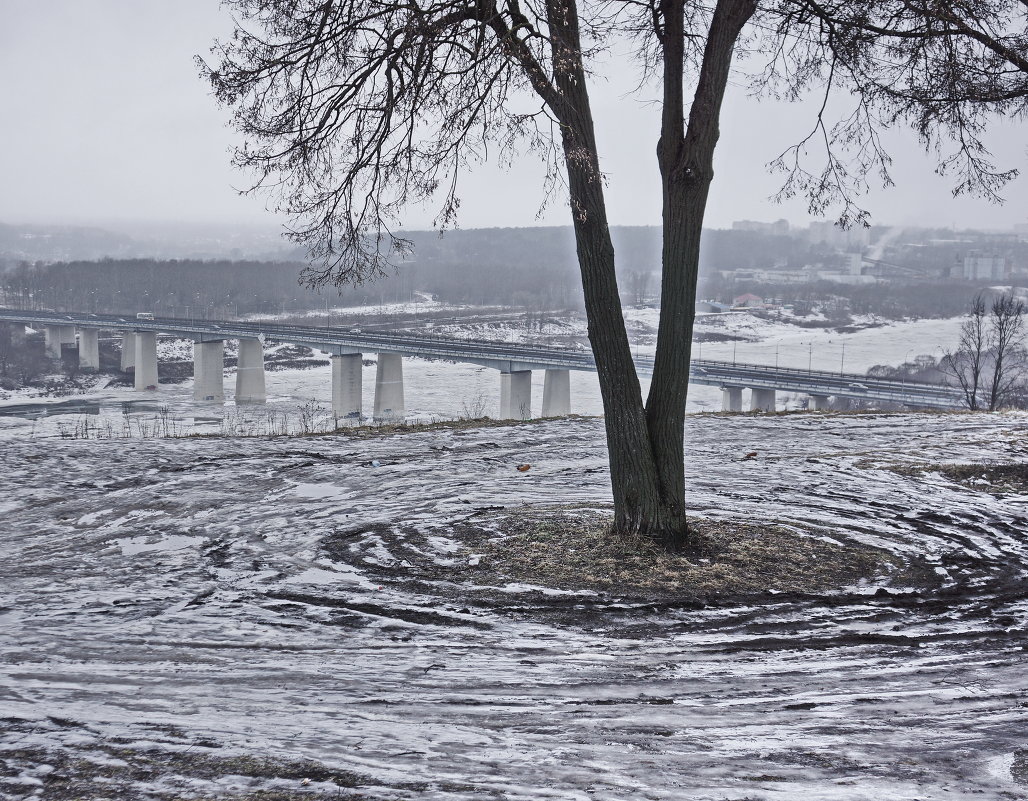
column 104, row 119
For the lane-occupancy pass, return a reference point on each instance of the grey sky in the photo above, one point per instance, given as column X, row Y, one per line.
column 104, row 118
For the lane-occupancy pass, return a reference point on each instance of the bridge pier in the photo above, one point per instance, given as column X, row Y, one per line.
column 208, row 371
column 762, row 400
column 145, row 359
column 556, row 393
column 731, row 399
column 389, row 404
column 89, row 348
column 516, row 395
column 250, row 386
column 56, row 336
column 348, row 387
column 820, row 403
column 128, row 351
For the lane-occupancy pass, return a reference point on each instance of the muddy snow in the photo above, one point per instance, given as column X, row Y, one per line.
column 226, row 618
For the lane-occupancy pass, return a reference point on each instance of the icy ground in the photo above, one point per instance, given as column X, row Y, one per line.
column 169, row 608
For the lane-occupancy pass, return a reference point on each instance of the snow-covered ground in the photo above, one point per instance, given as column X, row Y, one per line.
column 875, row 342
column 169, row 607
column 444, row 390
column 420, row 303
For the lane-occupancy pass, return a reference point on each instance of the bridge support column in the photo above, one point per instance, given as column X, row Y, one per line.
column 145, row 359
column 208, row 371
column 516, row 395
column 250, row 387
column 348, row 387
column 128, row 351
column 762, row 400
column 557, row 393
column 89, row 348
column 56, row 336
column 52, row 341
column 820, row 403
column 731, row 399
column 389, row 388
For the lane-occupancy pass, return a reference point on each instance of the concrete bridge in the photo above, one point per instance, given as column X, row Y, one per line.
column 347, row 346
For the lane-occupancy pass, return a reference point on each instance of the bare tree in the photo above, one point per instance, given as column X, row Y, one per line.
column 967, row 363
column 1007, row 341
column 639, row 286
column 351, row 109
column 989, row 363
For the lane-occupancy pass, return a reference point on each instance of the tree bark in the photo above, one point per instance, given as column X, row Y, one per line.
column 638, row 505
column 646, row 443
column 686, row 160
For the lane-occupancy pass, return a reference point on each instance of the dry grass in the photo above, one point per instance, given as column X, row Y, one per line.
column 995, row 479
column 575, row 551
column 389, row 429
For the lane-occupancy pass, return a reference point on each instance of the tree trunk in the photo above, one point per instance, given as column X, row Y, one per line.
column 646, row 443
column 686, row 159
column 639, row 504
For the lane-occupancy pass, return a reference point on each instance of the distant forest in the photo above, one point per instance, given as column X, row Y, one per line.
column 534, row 268
column 504, row 266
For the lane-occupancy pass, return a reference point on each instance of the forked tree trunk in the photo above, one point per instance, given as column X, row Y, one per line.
column 686, row 159
column 645, row 444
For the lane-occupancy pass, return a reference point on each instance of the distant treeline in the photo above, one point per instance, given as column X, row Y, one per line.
column 178, row 288
column 535, row 268
column 530, row 267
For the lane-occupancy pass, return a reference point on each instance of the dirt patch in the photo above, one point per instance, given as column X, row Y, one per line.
column 995, row 479
column 711, row 336
column 1019, row 770
column 567, row 551
column 457, row 426
column 109, row 769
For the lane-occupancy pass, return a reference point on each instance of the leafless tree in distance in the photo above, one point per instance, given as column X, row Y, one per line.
column 967, row 363
column 1007, row 335
column 352, row 109
column 639, row 286
column 989, row 362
